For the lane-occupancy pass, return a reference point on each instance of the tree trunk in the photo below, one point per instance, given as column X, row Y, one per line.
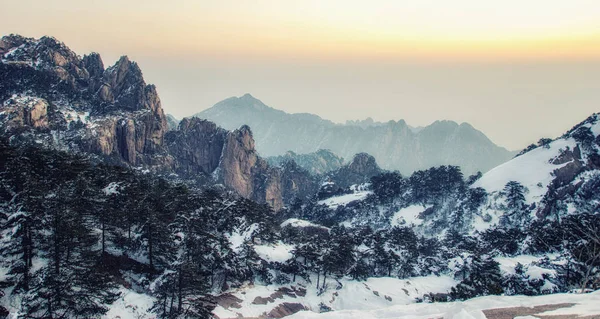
column 180, row 292
column 150, row 248
column 318, row 278
column 103, row 237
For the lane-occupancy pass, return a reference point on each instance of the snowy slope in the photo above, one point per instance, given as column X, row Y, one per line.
column 409, row 215
column 334, row 202
column 295, row 222
column 374, row 293
column 584, row 305
column 532, row 170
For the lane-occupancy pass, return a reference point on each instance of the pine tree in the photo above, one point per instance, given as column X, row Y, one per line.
column 484, row 278
column 515, row 204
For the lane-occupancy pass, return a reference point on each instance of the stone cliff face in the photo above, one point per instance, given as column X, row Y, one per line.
column 244, row 171
column 31, row 112
column 239, row 161
column 197, row 146
column 129, row 122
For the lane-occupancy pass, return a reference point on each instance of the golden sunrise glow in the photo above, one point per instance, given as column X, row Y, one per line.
column 335, row 29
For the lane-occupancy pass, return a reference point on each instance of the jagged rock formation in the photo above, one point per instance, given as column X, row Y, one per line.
column 395, row 144
column 196, row 145
column 52, row 96
column 362, row 167
column 251, row 176
column 319, row 162
column 248, row 174
column 129, row 122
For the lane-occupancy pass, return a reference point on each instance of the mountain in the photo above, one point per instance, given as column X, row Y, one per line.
column 550, row 181
column 319, row 162
column 105, row 213
column 395, row 145
column 51, row 96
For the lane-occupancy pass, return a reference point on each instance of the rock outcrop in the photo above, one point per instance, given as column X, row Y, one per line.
column 129, row 122
column 196, row 145
column 362, row 167
column 31, row 112
column 248, row 174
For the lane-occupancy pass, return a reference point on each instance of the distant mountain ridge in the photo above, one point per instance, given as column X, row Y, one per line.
column 394, row 144
column 319, row 162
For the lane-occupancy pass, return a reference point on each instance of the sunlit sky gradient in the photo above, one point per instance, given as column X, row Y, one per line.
column 515, row 69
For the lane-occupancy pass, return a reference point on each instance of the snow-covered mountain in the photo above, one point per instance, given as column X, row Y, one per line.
column 554, row 179
column 395, row 144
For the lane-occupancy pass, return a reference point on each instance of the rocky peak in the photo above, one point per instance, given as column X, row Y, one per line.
column 95, row 67
column 360, row 170
column 197, row 146
column 9, row 42
column 244, row 136
column 93, row 64
column 46, row 68
column 239, row 160
column 46, row 54
column 123, row 72
column 363, row 163
column 123, row 87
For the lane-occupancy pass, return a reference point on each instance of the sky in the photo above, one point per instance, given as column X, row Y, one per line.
column 517, row 70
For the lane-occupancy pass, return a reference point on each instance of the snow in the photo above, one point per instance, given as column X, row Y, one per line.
column 71, row 115
column 585, row 305
column 508, row 264
column 111, row 189
column 131, row 305
column 295, row 222
column 528, row 169
column 3, row 273
column 279, row 252
column 334, row 202
column 248, row 308
column 342, row 295
column 409, row 215
column 238, row 237
column 463, row 312
column 594, row 127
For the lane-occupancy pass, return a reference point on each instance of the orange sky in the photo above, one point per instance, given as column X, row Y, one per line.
column 460, row 29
